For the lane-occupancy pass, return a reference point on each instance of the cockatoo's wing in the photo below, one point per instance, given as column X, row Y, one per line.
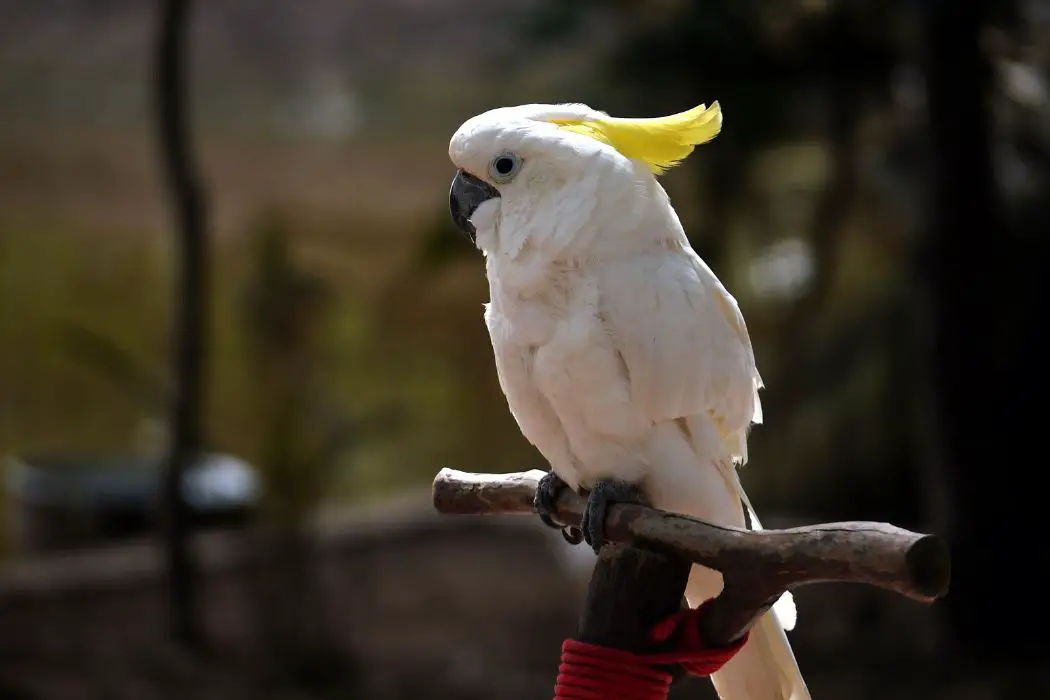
column 687, row 352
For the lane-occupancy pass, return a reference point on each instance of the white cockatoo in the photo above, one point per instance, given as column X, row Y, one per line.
column 623, row 358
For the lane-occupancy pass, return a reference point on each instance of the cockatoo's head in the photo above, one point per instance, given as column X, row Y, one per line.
column 544, row 174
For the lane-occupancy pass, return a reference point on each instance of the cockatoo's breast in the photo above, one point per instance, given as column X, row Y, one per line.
column 568, row 366
column 532, row 292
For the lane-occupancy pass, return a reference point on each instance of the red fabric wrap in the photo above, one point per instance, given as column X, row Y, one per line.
column 593, row 672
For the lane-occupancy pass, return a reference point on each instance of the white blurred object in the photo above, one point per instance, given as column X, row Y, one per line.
column 783, row 270
column 1023, row 83
column 325, row 107
column 218, row 480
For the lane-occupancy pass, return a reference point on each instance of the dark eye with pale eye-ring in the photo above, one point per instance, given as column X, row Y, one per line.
column 504, row 167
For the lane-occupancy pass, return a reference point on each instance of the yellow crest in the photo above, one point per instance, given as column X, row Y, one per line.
column 660, row 143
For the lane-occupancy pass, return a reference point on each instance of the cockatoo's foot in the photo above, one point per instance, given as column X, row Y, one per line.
column 604, row 494
column 546, row 494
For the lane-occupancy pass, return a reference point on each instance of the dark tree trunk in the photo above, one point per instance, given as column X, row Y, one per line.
column 983, row 413
column 188, row 347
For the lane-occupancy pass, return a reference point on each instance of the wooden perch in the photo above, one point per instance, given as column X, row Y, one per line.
column 757, row 567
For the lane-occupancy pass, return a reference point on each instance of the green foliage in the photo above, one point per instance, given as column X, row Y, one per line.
column 114, row 364
column 72, row 303
column 283, row 309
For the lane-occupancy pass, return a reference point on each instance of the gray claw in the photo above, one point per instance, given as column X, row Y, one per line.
column 604, row 494
column 572, row 534
column 547, row 492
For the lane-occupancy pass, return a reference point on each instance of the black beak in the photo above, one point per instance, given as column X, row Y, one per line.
column 467, row 194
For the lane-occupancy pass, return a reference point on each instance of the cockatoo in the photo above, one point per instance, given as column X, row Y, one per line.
column 623, row 358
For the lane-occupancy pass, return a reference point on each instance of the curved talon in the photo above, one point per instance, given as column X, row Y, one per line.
column 572, row 534
column 604, row 494
column 544, row 502
column 549, row 521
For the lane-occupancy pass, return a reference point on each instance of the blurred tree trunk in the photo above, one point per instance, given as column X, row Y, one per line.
column 188, row 347
column 981, row 377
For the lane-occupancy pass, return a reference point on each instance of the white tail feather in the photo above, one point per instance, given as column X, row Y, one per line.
column 784, row 608
column 765, row 669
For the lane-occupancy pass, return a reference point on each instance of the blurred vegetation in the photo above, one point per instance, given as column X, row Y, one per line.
column 302, row 431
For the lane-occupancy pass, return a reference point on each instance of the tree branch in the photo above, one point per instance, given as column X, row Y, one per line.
column 757, row 567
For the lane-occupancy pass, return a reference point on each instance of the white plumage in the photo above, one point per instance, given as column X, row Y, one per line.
column 620, row 352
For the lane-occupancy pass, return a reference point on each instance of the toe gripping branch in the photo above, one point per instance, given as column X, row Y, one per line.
column 634, row 638
column 544, row 503
column 592, row 522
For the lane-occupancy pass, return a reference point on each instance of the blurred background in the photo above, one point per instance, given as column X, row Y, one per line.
column 877, row 202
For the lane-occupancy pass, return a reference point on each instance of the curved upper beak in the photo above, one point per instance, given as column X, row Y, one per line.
column 466, row 195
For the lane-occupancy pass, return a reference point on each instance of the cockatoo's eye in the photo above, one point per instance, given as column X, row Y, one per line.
column 504, row 167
